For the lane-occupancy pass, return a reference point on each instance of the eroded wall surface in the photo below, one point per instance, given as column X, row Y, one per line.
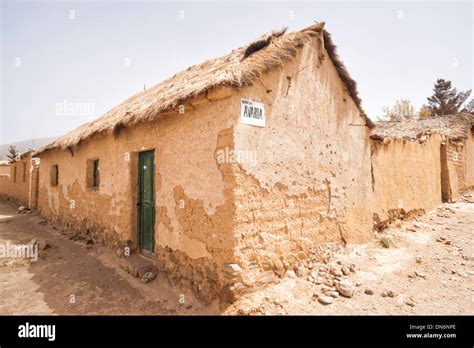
column 305, row 177
column 407, row 176
column 469, row 162
column 456, row 155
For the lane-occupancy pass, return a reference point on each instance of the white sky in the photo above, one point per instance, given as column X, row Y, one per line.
column 111, row 49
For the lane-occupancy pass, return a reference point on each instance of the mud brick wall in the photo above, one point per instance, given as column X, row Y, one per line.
column 456, row 154
column 4, row 169
column 469, row 155
column 34, row 181
column 4, row 185
column 407, row 177
column 17, row 186
column 303, row 179
column 194, row 191
column 19, row 183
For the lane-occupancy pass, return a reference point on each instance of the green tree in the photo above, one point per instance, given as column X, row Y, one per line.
column 469, row 107
column 447, row 100
column 13, row 153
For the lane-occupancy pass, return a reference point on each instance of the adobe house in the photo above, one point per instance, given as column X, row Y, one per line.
column 21, row 182
column 229, row 172
column 418, row 164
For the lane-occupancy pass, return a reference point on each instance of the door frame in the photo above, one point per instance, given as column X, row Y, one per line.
column 140, row 226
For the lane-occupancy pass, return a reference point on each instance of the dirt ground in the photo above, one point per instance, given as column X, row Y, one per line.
column 73, row 278
column 426, row 267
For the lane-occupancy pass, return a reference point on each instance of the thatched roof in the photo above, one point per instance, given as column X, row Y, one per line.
column 237, row 69
column 454, row 127
column 26, row 153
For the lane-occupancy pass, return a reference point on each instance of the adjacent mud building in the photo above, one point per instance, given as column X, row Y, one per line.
column 227, row 173
column 420, row 163
column 19, row 180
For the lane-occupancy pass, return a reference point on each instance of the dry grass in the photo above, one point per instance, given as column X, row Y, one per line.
column 454, row 127
column 262, row 43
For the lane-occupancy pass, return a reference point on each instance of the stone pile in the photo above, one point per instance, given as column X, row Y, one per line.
column 333, row 281
column 23, row 210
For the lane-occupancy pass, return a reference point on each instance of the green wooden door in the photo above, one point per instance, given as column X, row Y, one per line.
column 146, row 203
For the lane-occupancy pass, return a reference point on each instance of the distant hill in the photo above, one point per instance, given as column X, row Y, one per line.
column 23, row 146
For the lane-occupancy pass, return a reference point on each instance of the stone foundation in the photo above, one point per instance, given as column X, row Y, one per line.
column 206, row 278
column 82, row 229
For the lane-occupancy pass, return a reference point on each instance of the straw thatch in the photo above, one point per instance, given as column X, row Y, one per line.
column 239, row 68
column 26, row 153
column 262, row 43
column 453, row 127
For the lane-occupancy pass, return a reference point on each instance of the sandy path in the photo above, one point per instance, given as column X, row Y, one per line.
column 72, row 278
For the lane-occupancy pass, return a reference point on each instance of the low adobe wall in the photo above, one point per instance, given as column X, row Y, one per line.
column 406, row 177
column 4, row 169
column 22, row 187
column 5, row 185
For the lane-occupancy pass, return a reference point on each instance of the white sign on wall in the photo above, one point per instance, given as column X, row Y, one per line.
column 252, row 112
